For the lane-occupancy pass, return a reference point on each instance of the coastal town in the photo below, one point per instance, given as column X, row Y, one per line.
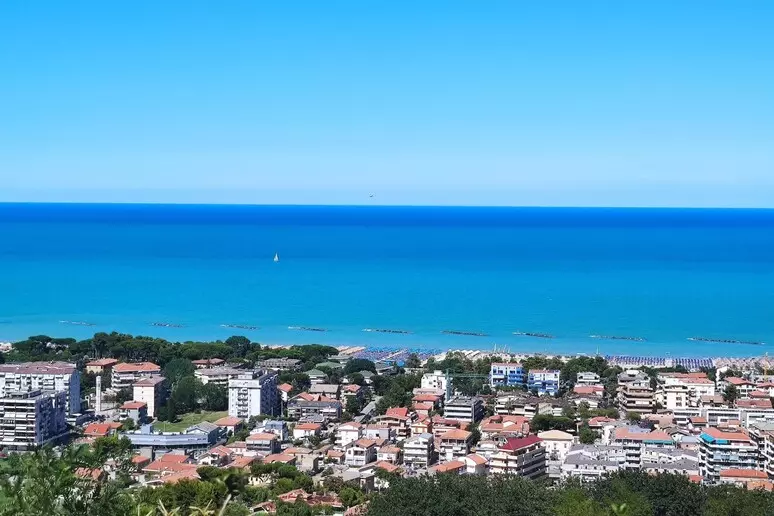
column 345, row 420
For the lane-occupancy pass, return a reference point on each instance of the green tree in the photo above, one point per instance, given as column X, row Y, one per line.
column 177, row 369
column 186, row 394
column 413, row 361
column 214, row 397
column 351, row 497
column 731, row 393
column 239, row 345
column 586, row 435
column 356, row 365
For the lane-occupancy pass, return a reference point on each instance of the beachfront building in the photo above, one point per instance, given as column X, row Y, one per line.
column 543, row 381
column 419, row 450
column 587, row 378
column 126, row 374
column 720, row 450
column 523, row 456
column 152, row 391
column 43, row 376
column 504, row 374
column 217, row 375
column 464, row 408
column 436, row 380
column 30, row 419
column 253, row 393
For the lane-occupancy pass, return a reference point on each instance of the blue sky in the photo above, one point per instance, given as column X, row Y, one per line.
column 510, row 103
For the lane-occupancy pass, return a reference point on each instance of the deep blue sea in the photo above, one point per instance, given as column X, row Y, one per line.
column 659, row 274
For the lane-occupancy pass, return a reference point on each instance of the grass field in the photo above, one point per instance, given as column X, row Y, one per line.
column 186, row 420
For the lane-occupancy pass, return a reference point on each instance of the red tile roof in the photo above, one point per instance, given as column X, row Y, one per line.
column 100, row 429
column 136, row 367
column 278, row 457
column 400, row 412
column 264, row 436
column 228, row 421
column 655, row 435
column 588, row 389
column 734, row 380
column 285, row 387
column 454, row 465
column 458, row 435
column 241, row 462
column 758, row 404
column 102, row 362
column 742, row 473
column 476, row 459
column 308, row 426
column 386, row 466
column 517, row 443
column 729, row 436
column 133, row 405
column 365, row 443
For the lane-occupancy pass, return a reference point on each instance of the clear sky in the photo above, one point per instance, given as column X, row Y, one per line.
column 482, row 102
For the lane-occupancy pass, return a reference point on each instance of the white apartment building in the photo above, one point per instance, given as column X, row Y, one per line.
column 587, row 378
column 719, row 450
column 523, row 456
column 348, row 433
column 435, row 380
column 360, row 453
column 252, row 394
column 152, row 391
column 419, row 450
column 126, row 374
column 681, row 390
column 464, row 408
column 43, row 376
column 557, row 445
column 636, row 396
column 590, row 462
column 29, row 419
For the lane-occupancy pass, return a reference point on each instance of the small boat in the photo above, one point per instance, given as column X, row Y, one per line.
column 276, row 257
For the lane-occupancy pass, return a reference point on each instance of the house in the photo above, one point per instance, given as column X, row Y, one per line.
column 208, row 362
column 217, row 456
column 284, row 391
column 454, row 444
column 280, row 458
column 423, row 409
column 230, row 424
column 278, row 428
column 334, row 456
column 100, row 366
column 524, row 457
column 419, row 450
column 152, row 391
column 421, row 426
column 137, row 411
column 101, row 429
column 435, row 399
column 390, row 453
column 280, row 364
column 742, row 477
column 306, row 430
column 264, row 443
column 316, row 376
column 504, row 426
column 396, row 418
column 436, row 380
column 170, row 465
column 475, row 464
column 307, row 405
column 743, row 387
column 352, row 390
column 378, row 432
column 557, row 444
column 331, row 390
column 454, row 467
column 348, row 433
column 360, row 453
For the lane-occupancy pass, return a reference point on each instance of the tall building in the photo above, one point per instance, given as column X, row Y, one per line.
column 152, row 391
column 29, row 419
column 435, row 380
column 43, row 376
column 523, row 457
column 126, row 374
column 464, row 408
column 253, row 393
column 720, row 450
column 506, row 374
column 636, row 396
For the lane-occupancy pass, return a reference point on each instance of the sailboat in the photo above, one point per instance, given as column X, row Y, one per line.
column 276, row 257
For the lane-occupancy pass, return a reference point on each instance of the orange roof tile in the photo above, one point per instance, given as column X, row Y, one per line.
column 262, row 436
column 454, row 465
column 128, row 367
column 229, row 421
column 742, row 473
column 459, row 435
column 102, row 362
column 285, row 387
column 133, row 405
column 308, row 426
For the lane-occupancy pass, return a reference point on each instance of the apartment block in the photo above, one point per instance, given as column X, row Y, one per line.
column 543, row 381
column 436, row 380
column 636, row 396
column 503, row 374
column 721, row 450
column 253, row 393
column 126, row 374
column 524, row 457
column 218, row 375
column 464, row 408
column 419, row 450
column 152, row 391
column 30, row 419
column 43, row 376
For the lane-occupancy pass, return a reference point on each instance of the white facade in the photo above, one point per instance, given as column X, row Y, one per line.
column 151, row 392
column 587, row 378
column 252, row 394
column 435, row 380
column 43, row 376
column 348, row 433
column 32, row 419
column 557, row 443
column 217, row 375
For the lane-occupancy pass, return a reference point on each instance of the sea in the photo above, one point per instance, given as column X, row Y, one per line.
column 660, row 275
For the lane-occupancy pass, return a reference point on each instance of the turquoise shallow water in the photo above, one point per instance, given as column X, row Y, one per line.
column 663, row 275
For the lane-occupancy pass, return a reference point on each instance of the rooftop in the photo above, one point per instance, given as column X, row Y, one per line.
column 136, row 367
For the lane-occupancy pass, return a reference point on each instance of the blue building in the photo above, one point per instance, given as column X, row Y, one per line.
column 544, row 381
column 506, row 374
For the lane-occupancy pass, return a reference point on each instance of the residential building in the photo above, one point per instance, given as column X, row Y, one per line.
column 208, row 362
column 264, row 443
column 278, row 428
column 137, row 411
column 634, row 438
column 253, row 393
column 587, row 378
column 504, row 426
column 280, row 364
column 306, row 430
column 636, row 396
column 743, row 386
column 543, row 381
column 419, row 450
column 30, row 419
column 306, row 405
column 101, row 365
column 360, row 453
column 680, row 390
column 43, row 376
column 524, row 457
column 196, row 438
column 520, row 404
column 590, row 462
column 390, row 453
column 348, row 433
column 330, row 390
column 218, row 375
column 436, row 380
column 284, row 392
column 454, row 467
column 152, row 391
column 719, row 450
column 464, row 408
column 316, row 376
column 506, row 374
column 396, row 418
column 557, row 445
column 454, row 444
column 126, row 374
